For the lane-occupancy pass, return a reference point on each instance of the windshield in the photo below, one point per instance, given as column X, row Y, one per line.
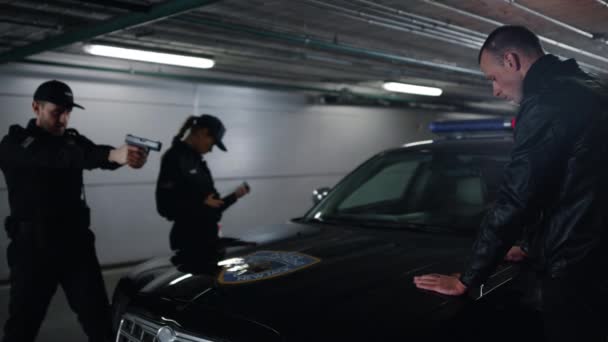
column 447, row 188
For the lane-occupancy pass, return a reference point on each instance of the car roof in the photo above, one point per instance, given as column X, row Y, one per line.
column 473, row 143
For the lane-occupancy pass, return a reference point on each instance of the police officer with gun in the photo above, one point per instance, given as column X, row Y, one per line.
column 186, row 194
column 48, row 227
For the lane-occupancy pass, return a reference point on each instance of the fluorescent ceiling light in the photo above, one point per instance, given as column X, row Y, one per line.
column 149, row 56
column 412, row 89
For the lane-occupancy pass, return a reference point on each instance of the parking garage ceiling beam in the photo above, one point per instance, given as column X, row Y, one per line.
column 122, row 22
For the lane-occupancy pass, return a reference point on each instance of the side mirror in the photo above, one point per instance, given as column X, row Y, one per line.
column 320, row 194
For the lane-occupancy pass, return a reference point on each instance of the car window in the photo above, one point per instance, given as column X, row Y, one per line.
column 388, row 184
column 435, row 188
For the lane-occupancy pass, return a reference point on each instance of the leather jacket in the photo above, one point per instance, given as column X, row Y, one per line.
column 557, row 172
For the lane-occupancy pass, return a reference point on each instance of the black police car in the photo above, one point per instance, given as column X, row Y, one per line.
column 344, row 271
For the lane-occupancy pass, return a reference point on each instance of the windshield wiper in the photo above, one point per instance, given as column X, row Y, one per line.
column 362, row 221
column 430, row 228
column 319, row 220
column 384, row 222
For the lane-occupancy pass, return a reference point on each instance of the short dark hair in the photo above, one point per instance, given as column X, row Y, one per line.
column 508, row 37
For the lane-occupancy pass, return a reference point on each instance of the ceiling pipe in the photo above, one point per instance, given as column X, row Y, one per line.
column 129, row 20
column 474, row 43
column 463, row 12
column 542, row 38
column 325, row 45
column 243, row 51
column 416, row 22
column 180, row 77
column 47, row 8
column 387, row 23
column 479, row 34
column 30, row 24
column 223, row 48
column 330, row 64
column 550, row 19
column 40, row 17
column 424, row 30
column 117, row 4
column 221, row 81
column 277, row 86
column 465, row 32
column 332, row 70
column 177, row 27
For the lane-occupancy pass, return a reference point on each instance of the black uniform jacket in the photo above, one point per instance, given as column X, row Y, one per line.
column 556, row 181
column 184, row 182
column 44, row 173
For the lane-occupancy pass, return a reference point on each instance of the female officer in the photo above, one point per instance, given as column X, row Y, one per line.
column 186, row 195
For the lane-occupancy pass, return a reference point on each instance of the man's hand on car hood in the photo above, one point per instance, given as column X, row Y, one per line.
column 444, row 284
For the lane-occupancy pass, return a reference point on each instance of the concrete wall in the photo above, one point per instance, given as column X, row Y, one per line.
column 282, row 145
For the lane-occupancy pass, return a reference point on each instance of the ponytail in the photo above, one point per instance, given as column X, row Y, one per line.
column 191, row 121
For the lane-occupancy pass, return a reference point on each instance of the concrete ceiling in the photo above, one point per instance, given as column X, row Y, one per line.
column 339, row 50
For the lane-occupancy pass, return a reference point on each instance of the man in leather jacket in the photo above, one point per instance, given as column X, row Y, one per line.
column 51, row 243
column 558, row 172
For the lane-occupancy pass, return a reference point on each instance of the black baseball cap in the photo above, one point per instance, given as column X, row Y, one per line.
column 56, row 92
column 215, row 126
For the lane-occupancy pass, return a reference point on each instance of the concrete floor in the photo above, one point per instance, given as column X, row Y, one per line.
column 61, row 323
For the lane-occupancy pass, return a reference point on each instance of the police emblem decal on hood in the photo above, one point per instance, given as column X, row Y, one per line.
column 263, row 265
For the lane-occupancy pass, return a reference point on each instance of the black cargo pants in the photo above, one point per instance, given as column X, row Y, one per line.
column 38, row 264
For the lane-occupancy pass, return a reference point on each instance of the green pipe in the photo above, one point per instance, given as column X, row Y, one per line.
column 97, row 29
column 253, row 84
column 215, row 80
column 324, row 45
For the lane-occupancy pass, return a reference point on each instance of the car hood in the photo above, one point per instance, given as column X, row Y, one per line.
column 336, row 271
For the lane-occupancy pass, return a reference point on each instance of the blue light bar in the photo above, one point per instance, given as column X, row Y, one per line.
column 484, row 125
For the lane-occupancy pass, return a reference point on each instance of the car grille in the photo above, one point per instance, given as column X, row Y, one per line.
column 137, row 329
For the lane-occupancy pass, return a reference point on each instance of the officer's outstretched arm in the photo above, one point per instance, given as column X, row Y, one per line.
column 102, row 156
column 19, row 150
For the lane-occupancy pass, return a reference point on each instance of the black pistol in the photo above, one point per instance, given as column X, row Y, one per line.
column 144, row 143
